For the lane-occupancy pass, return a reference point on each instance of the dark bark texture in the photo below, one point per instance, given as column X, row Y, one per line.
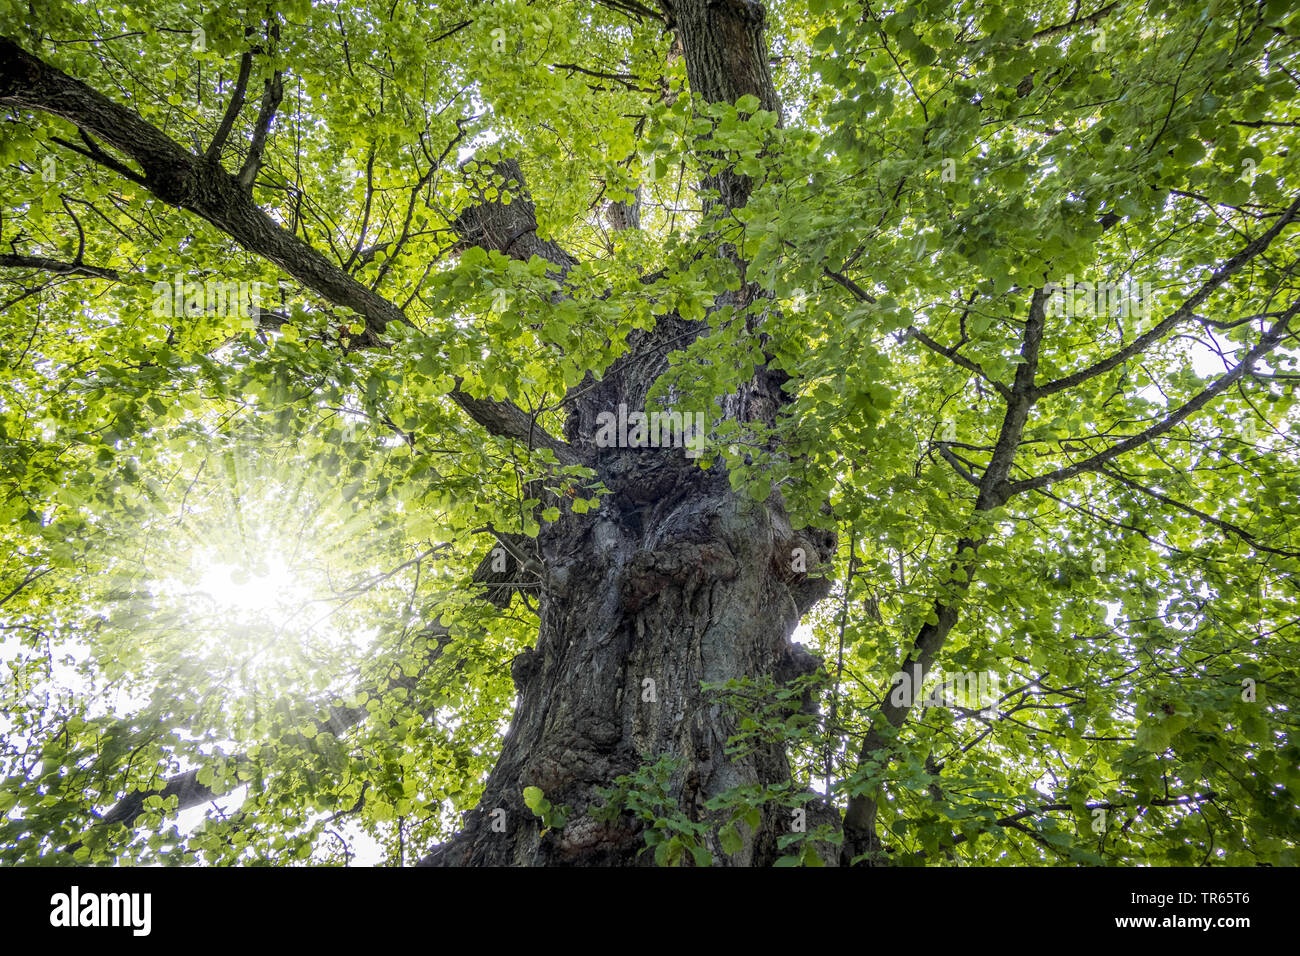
column 675, row 582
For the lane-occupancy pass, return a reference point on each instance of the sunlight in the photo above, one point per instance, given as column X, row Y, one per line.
column 270, row 592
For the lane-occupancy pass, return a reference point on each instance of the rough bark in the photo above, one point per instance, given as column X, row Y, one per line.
column 726, row 58
column 676, row 580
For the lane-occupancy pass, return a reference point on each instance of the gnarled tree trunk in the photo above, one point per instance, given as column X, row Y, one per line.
column 676, row 581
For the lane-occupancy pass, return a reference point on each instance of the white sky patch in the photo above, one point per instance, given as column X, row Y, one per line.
column 272, row 591
column 365, row 849
column 1208, row 359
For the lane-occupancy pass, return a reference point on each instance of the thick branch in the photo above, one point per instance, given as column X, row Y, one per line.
column 511, row 421
column 270, row 103
column 213, row 155
column 179, row 178
column 1270, row 341
column 633, row 9
column 1186, row 311
column 61, row 268
column 860, row 818
column 511, row 229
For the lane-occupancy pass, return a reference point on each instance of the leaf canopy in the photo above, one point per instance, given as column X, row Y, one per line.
column 242, row 546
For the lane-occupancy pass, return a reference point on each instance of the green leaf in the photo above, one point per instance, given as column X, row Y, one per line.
column 533, row 799
column 729, row 837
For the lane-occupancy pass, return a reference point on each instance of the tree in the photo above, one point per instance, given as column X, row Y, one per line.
column 579, row 354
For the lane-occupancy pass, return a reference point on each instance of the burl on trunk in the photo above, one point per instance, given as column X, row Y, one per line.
column 676, row 581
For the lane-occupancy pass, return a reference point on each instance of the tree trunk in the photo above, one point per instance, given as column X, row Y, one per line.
column 676, row 581
column 641, row 603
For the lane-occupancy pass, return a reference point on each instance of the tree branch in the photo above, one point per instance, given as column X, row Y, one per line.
column 1227, row 526
column 953, row 460
column 1185, row 311
column 179, row 178
column 957, row 359
column 510, row 421
column 633, row 9
column 1090, row 20
column 213, row 155
column 61, row 268
column 270, row 103
column 860, row 837
column 1266, row 344
column 1013, row 820
column 95, row 154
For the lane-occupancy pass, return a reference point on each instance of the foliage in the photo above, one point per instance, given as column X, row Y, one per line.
column 934, row 164
column 551, row 816
column 648, row 795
